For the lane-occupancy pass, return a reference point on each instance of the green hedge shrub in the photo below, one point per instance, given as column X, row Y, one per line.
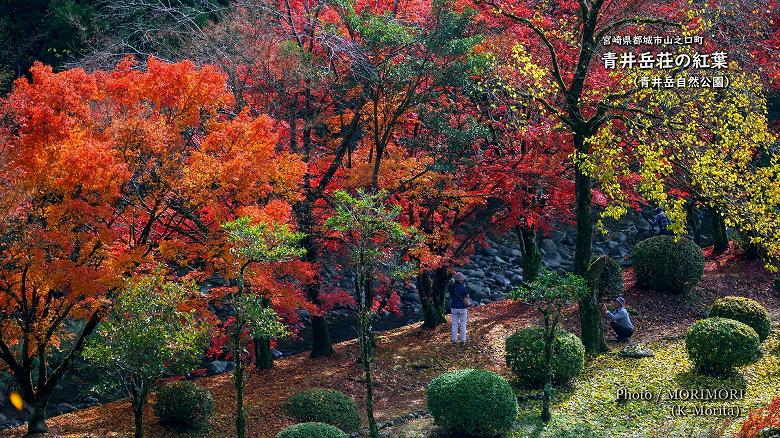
column 312, row 430
column 744, row 310
column 183, row 406
column 666, row 265
column 525, row 355
column 606, row 275
column 324, row 406
column 472, row 402
column 717, row 345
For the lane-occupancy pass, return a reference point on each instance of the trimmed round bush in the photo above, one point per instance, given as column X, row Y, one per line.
column 312, row 430
column 744, row 310
column 183, row 406
column 717, row 345
column 324, row 406
column 606, row 275
column 666, row 265
column 473, row 402
column 525, row 356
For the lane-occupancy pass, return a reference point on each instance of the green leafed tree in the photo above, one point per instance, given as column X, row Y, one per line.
column 550, row 293
column 374, row 249
column 255, row 244
column 147, row 337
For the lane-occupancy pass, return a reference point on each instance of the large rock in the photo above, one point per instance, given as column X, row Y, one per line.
column 412, row 297
column 548, row 247
column 217, row 367
column 64, row 408
column 501, row 280
column 477, row 295
column 479, row 273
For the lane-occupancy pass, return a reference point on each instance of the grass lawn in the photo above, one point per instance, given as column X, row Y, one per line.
column 589, row 407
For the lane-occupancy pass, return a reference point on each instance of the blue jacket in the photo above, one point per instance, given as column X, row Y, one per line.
column 620, row 317
column 458, row 291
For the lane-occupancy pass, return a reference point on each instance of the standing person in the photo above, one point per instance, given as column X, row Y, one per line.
column 459, row 295
column 619, row 320
column 661, row 222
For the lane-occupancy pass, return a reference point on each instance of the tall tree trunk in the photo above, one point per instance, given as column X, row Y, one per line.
column 720, row 236
column 695, row 220
column 583, row 214
column 531, row 258
column 238, row 380
column 138, row 418
column 441, row 278
column 364, row 297
column 425, row 290
column 590, row 314
column 432, row 287
column 264, row 359
column 321, row 344
column 365, row 359
column 138, row 402
column 590, row 317
column 36, row 422
column 549, row 338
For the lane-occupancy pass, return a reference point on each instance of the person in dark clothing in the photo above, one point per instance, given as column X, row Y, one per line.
column 619, row 320
column 661, row 223
column 461, row 301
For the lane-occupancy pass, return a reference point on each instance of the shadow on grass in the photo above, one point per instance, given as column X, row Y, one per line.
column 691, row 380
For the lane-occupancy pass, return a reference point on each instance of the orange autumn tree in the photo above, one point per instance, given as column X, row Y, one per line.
column 98, row 179
column 59, row 256
column 238, row 172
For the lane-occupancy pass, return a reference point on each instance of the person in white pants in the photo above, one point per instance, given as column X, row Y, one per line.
column 459, row 294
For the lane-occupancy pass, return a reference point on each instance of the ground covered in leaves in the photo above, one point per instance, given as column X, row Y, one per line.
column 408, row 358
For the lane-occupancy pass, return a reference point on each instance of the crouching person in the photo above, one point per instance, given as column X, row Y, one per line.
column 619, row 320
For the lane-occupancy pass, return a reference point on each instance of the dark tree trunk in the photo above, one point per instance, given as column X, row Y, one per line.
column 364, row 297
column 264, row 359
column 425, row 289
column 590, row 314
column 694, row 218
column 549, row 338
column 238, row 380
column 531, row 259
column 322, row 346
column 36, row 391
column 36, row 422
column 138, row 402
column 590, row 318
column 583, row 214
column 365, row 350
column 593, row 323
column 720, row 236
column 441, row 278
